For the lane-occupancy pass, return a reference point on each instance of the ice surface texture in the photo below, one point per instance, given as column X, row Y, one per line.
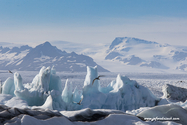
column 122, row 94
column 25, row 116
column 45, row 91
column 174, row 93
column 12, row 115
column 171, row 112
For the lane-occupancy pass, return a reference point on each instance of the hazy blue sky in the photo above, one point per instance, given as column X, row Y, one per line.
column 36, row 21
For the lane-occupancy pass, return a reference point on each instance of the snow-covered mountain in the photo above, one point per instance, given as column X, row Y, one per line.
column 12, row 57
column 125, row 54
column 141, row 53
column 27, row 58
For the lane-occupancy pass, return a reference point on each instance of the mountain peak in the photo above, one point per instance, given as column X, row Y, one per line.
column 116, row 41
column 47, row 55
column 46, row 44
column 46, row 49
column 129, row 40
column 133, row 40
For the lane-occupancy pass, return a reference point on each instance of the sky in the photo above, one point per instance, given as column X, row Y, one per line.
column 92, row 21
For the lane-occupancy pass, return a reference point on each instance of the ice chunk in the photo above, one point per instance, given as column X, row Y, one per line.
column 174, row 93
column 67, row 95
column 170, row 112
column 37, row 92
column 18, row 82
column 77, row 95
column 8, row 87
column 41, row 80
column 12, row 115
column 121, row 94
column 29, row 120
column 128, row 95
column 16, row 102
column 108, row 88
column 90, row 76
column 12, row 101
column 55, row 81
column 33, row 98
column 53, row 70
column 92, row 97
column 98, row 117
column 44, row 78
column 47, row 105
column 137, row 111
column 88, row 114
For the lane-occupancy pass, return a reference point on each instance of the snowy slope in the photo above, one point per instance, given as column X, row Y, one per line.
column 12, row 57
column 144, row 55
column 27, row 58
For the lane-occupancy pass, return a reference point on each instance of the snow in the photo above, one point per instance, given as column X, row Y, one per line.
column 154, row 57
column 13, row 57
column 122, row 94
column 67, row 93
column 87, row 113
column 8, row 87
column 18, row 82
column 43, row 58
column 174, row 93
column 28, row 120
column 128, row 95
column 81, row 64
column 111, row 119
column 47, row 105
column 121, row 101
column 19, row 62
column 8, row 100
column 171, row 112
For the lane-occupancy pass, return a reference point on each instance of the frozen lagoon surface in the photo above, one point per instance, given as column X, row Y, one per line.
column 154, row 82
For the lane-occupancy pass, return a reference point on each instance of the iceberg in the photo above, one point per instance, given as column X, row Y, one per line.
column 67, row 95
column 127, row 94
column 92, row 97
column 121, row 94
column 11, row 101
column 47, row 105
column 174, row 93
column 46, row 91
column 44, row 98
column 18, row 82
column 37, row 92
column 8, row 87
